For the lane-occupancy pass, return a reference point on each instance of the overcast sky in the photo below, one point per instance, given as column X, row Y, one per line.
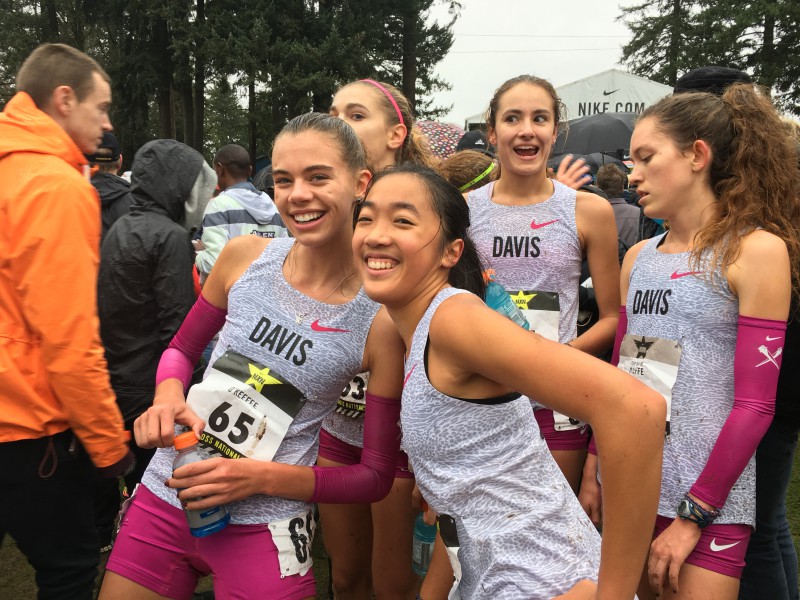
column 562, row 40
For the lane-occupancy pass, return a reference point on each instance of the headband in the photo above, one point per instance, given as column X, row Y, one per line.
column 466, row 186
column 389, row 96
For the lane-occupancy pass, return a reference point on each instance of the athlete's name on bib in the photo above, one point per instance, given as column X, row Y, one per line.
column 636, row 367
column 516, row 246
column 243, row 395
column 281, row 341
column 651, row 302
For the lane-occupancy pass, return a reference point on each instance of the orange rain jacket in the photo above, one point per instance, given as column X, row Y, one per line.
column 53, row 372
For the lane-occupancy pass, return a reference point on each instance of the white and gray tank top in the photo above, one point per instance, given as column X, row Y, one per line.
column 318, row 355
column 532, row 247
column 521, row 531
column 670, row 300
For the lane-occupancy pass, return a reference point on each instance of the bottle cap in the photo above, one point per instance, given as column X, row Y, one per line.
column 185, row 440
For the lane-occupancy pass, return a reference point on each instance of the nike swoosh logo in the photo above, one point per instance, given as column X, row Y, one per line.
column 611, row 92
column 405, row 381
column 535, row 225
column 315, row 326
column 772, row 339
column 720, row 547
column 677, row 275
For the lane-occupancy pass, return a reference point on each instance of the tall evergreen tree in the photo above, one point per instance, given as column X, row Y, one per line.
column 663, row 31
column 288, row 55
column 759, row 36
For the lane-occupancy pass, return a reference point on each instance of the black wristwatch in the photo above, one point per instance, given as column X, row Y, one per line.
column 689, row 510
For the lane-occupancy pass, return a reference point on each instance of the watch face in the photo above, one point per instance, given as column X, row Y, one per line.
column 683, row 508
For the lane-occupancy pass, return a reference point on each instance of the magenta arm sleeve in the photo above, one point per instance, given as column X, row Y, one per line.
column 759, row 345
column 186, row 348
column 371, row 479
column 622, row 329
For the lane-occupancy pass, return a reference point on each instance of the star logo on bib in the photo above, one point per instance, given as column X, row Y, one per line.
column 260, row 377
column 521, row 299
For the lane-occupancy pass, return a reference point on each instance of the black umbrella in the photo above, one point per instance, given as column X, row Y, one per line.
column 608, row 133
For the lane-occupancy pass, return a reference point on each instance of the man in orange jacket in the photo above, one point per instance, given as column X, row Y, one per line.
column 58, row 415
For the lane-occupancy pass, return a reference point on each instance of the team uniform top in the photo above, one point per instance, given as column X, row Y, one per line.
column 532, row 247
column 317, row 356
column 666, row 299
column 521, row 531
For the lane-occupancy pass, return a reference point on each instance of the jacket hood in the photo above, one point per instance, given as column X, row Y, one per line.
column 26, row 128
column 110, row 187
column 174, row 177
column 258, row 204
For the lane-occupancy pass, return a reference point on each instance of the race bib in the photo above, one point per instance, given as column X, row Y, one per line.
column 653, row 361
column 565, row 423
column 293, row 538
column 352, row 402
column 247, row 407
column 449, row 535
column 541, row 309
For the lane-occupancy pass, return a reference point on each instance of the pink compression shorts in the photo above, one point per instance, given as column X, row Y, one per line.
column 721, row 548
column 333, row 449
column 573, row 439
column 155, row 549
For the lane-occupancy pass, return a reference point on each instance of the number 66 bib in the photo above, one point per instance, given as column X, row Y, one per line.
column 247, row 407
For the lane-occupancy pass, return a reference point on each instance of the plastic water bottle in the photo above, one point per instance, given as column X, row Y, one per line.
column 209, row 520
column 422, row 548
column 497, row 298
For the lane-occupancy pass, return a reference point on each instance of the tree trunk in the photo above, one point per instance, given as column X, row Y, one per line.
column 49, row 21
column 200, row 80
column 164, row 75
column 674, row 44
column 251, row 119
column 409, row 47
column 187, row 104
column 769, row 70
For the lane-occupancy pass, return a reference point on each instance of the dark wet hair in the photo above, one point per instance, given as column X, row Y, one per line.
column 352, row 150
column 235, row 159
column 453, row 212
column 611, row 180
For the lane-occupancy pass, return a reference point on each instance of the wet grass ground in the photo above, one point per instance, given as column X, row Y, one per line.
column 16, row 575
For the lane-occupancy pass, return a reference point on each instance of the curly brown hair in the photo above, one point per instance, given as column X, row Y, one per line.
column 754, row 183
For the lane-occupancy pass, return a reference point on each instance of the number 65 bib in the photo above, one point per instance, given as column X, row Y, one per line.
column 247, row 407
